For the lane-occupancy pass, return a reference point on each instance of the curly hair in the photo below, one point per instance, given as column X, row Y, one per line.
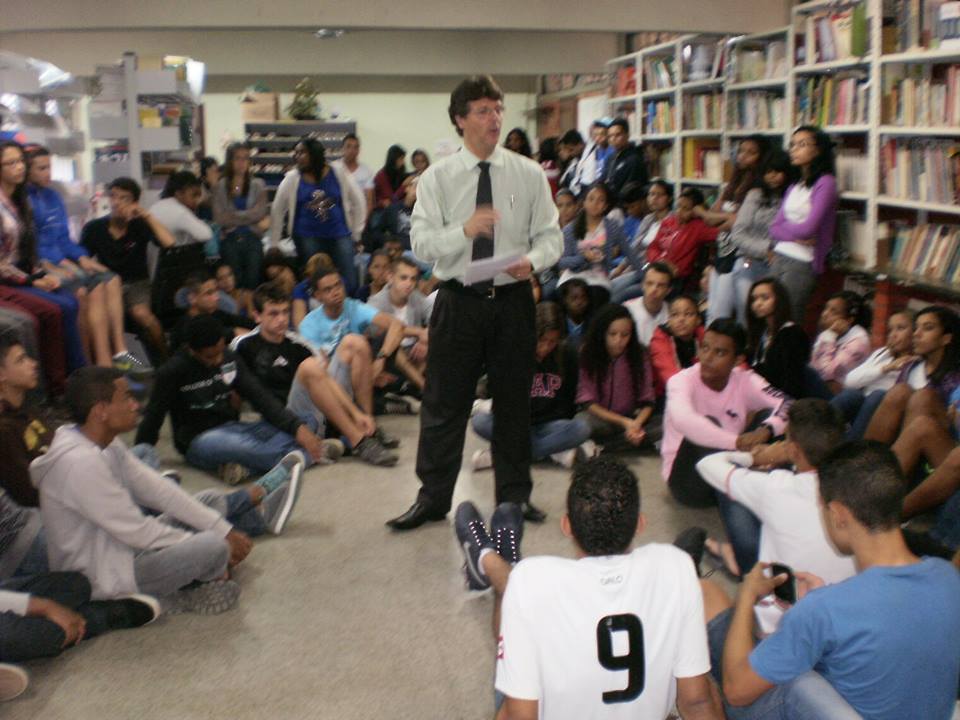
column 603, row 505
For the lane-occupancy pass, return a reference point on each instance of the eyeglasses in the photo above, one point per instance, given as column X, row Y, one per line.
column 801, row 144
column 485, row 112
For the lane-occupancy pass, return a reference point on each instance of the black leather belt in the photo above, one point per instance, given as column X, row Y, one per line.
column 488, row 293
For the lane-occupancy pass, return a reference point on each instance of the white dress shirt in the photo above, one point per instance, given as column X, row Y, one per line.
column 447, row 198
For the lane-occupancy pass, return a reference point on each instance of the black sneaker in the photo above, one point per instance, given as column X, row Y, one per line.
column 132, row 611
column 691, row 541
column 372, row 451
column 388, row 441
column 506, row 526
column 473, row 537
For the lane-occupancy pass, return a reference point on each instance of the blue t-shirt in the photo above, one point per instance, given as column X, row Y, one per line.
column 320, row 209
column 326, row 334
column 888, row 640
column 301, row 291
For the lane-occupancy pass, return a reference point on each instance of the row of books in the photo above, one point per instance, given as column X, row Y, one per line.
column 924, row 101
column 828, row 100
column 768, row 63
column 626, row 80
column 705, row 61
column 659, row 117
column 755, row 110
column 834, row 35
column 703, row 111
column 927, row 24
column 925, row 170
column 702, row 159
column 660, row 160
column 853, row 170
column 932, row 251
column 658, row 73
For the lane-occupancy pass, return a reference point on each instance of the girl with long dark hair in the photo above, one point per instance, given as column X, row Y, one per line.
column 389, row 179
column 518, row 141
column 240, row 208
column 777, row 348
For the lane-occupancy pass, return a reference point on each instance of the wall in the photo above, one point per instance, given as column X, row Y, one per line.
column 414, row 120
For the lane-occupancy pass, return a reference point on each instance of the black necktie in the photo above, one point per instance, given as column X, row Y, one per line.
column 483, row 244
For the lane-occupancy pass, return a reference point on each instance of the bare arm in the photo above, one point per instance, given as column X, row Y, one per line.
column 697, row 698
column 514, row 709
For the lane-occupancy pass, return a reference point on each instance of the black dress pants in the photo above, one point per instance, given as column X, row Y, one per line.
column 470, row 334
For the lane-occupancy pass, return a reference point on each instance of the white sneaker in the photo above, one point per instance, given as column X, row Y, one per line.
column 481, row 406
column 13, row 681
column 566, row 458
column 482, row 460
column 589, row 449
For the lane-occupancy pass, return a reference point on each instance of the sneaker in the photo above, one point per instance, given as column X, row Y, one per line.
column 506, row 526
column 129, row 364
column 278, row 475
column 132, row 611
column 565, row 459
column 396, row 406
column 233, row 473
column 13, row 681
column 333, row 449
column 372, row 451
column 277, row 506
column 473, row 538
column 413, row 403
column 387, row 440
column 210, row 598
column 481, row 406
column 171, row 475
column 482, row 459
column 589, row 450
column 692, row 541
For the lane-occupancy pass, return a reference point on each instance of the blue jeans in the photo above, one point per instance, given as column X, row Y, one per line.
column 243, row 252
column 720, row 296
column 69, row 307
column 545, row 439
column 808, row 697
column 746, row 271
column 857, row 409
column 947, row 528
column 743, row 531
column 257, row 446
column 340, row 249
column 627, row 286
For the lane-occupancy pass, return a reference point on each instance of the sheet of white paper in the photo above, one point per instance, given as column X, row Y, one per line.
column 488, row 268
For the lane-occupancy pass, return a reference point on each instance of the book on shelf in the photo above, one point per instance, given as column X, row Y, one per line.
column 927, row 24
column 926, row 98
column 769, row 62
column 702, row 159
column 626, row 80
column 658, row 73
column 832, row 100
column 853, row 170
column 660, row 160
column 853, row 236
column 659, row 117
column 834, row 34
column 931, row 251
column 756, row 110
column 924, row 170
column 703, row 111
column 705, row 61
column 948, row 26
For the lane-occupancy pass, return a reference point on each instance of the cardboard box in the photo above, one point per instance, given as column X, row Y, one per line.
column 260, row 107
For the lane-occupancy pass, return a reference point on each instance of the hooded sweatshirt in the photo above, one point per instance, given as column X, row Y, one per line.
column 90, row 500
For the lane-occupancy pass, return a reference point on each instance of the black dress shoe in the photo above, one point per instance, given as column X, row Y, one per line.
column 418, row 514
column 532, row 513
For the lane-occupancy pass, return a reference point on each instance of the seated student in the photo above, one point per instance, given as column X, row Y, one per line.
column 554, row 431
column 777, row 348
column 577, row 309
column 177, row 209
column 196, row 387
column 925, row 385
column 401, row 299
column 303, row 292
column 232, row 299
column 376, row 276
column 636, row 610
column 92, row 489
column 655, row 200
column 335, row 328
column 681, row 235
column 97, row 289
column 278, row 267
column 885, row 640
column 865, row 385
column 616, row 382
column 296, row 374
column 203, row 297
column 843, row 342
column 709, row 406
column 119, row 242
column 785, row 501
column 650, row 310
column 675, row 343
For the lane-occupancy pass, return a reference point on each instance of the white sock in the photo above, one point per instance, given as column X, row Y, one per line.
column 480, row 559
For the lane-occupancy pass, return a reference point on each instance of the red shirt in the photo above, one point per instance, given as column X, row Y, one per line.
column 678, row 244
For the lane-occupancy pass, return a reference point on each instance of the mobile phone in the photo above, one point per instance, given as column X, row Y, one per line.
column 787, row 590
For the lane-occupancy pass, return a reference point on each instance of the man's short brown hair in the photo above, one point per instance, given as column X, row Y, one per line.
column 475, row 87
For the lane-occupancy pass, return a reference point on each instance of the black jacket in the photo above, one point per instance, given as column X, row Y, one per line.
column 628, row 165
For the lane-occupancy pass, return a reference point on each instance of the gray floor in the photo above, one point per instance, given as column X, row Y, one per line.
column 339, row 617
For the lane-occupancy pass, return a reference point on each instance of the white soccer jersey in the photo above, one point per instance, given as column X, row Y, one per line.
column 602, row 637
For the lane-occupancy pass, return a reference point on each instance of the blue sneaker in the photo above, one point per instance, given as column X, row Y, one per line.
column 473, row 537
column 506, row 525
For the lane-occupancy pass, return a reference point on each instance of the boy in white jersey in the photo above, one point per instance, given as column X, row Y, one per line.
column 612, row 633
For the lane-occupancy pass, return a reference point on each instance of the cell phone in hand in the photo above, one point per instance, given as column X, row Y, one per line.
column 787, row 590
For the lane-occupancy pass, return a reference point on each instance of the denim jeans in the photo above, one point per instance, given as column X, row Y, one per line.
column 257, row 446
column 237, row 508
column 545, row 439
column 69, row 307
column 946, row 530
column 625, row 287
column 743, row 531
column 857, row 409
column 808, row 697
column 746, row 271
column 720, row 296
column 243, row 251
column 340, row 249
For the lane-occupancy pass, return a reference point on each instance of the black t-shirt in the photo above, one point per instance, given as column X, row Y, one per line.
column 554, row 389
column 273, row 364
column 127, row 256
